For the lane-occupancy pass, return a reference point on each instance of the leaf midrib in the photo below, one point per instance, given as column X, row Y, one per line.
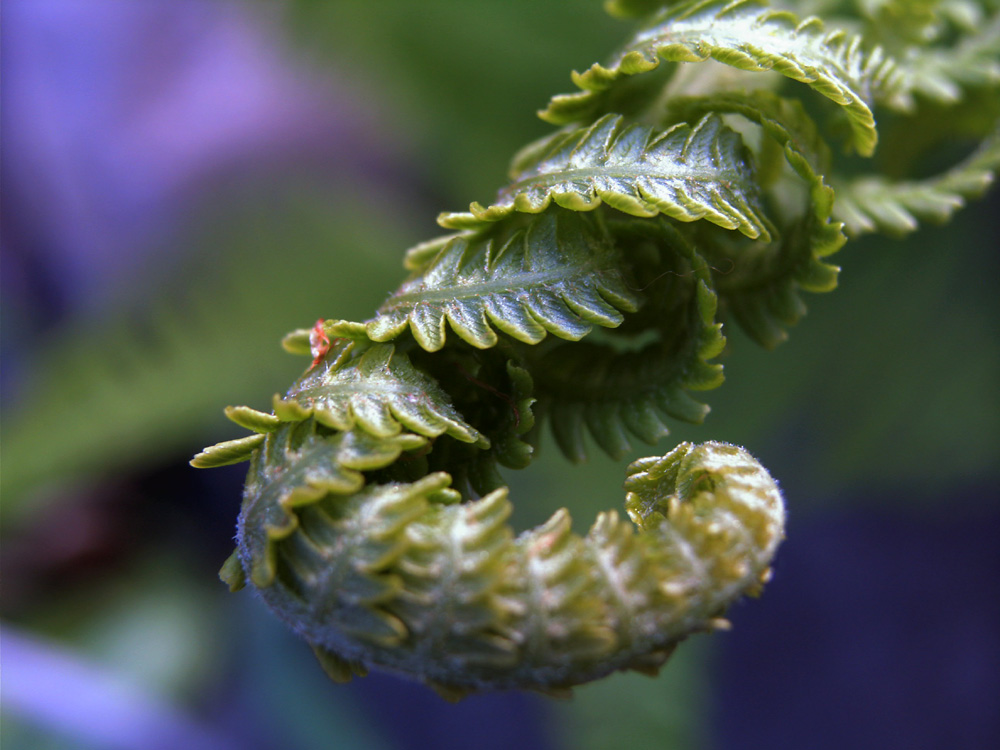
column 516, row 283
column 787, row 45
column 359, row 387
column 628, row 172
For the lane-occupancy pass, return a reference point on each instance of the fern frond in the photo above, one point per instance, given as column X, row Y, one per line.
column 687, row 173
column 558, row 274
column 750, row 36
column 300, row 341
column 613, row 392
column 297, row 466
column 941, row 47
column 406, row 562
column 941, row 74
column 230, row 452
column 783, row 120
column 874, row 203
column 498, row 393
column 760, row 287
column 399, row 577
column 377, row 391
column 419, row 256
column 612, row 395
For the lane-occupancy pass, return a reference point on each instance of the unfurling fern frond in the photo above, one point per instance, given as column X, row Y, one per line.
column 747, row 35
column 558, row 274
column 687, row 173
column 943, row 48
column 875, row 203
column 374, row 516
column 379, row 392
column 405, row 577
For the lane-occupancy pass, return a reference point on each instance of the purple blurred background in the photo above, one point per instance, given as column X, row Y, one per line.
column 119, row 117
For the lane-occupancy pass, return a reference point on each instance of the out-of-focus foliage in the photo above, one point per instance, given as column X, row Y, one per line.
column 109, row 394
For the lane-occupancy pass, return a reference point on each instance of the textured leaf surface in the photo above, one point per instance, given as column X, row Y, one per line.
column 378, row 391
column 761, row 283
column 782, row 119
column 761, row 289
column 399, row 577
column 688, row 173
column 252, row 419
column 297, row 466
column 750, row 36
column 300, row 340
column 613, row 393
column 558, row 274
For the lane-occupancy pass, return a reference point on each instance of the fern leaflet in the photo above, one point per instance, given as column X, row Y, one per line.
column 747, row 35
column 688, row 173
column 557, row 275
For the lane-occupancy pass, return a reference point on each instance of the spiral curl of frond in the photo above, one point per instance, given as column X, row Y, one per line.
column 374, row 516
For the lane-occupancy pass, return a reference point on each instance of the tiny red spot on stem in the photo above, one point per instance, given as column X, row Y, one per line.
column 319, row 342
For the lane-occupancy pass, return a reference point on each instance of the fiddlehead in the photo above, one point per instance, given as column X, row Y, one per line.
column 672, row 199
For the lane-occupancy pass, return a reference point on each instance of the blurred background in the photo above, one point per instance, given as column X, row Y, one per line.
column 184, row 181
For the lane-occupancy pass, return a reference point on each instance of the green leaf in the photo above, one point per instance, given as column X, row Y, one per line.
column 941, row 47
column 941, row 73
column 229, row 452
column 419, row 256
column 750, row 36
column 232, row 574
column 612, row 392
column 252, row 419
column 687, row 172
column 558, row 274
column 757, row 282
column 398, row 575
column 300, row 340
column 877, row 204
column 379, row 392
column 783, row 120
column 597, row 389
column 298, row 466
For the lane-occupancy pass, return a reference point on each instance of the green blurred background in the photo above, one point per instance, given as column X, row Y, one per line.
column 184, row 182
